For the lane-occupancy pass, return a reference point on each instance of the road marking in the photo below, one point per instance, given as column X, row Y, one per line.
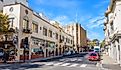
column 61, row 59
column 83, row 65
column 79, row 60
column 73, row 65
column 51, row 63
column 66, row 64
column 58, row 64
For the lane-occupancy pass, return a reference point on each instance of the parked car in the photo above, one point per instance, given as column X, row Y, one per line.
column 67, row 53
column 93, row 56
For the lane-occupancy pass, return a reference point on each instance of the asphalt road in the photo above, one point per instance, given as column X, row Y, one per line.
column 75, row 62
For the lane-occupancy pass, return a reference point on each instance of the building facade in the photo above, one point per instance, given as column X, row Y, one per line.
column 79, row 33
column 7, row 2
column 35, row 35
column 112, row 29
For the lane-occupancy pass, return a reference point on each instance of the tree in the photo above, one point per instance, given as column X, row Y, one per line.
column 102, row 44
column 4, row 23
column 96, row 41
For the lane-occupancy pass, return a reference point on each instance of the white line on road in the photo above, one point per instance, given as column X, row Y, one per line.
column 73, row 65
column 66, row 64
column 58, row 64
column 83, row 65
column 51, row 63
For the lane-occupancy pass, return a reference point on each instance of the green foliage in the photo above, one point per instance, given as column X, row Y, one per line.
column 102, row 44
column 4, row 23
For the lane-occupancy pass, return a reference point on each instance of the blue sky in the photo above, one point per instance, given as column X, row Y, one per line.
column 89, row 13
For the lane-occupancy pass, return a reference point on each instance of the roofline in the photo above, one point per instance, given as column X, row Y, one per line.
column 20, row 4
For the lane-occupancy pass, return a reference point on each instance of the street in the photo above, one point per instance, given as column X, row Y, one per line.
column 65, row 63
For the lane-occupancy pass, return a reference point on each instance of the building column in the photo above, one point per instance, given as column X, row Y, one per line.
column 111, row 50
column 44, row 50
column 120, row 50
column 117, row 50
column 30, row 50
column 18, row 50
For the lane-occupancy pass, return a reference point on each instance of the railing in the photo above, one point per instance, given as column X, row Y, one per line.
column 9, row 37
column 27, row 30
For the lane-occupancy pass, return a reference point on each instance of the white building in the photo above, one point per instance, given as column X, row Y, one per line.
column 112, row 29
column 36, row 33
column 7, row 2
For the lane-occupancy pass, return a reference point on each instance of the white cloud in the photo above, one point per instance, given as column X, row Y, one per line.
column 101, row 4
column 63, row 20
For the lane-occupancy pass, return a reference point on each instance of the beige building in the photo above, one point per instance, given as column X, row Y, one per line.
column 112, row 29
column 7, row 2
column 35, row 35
column 80, row 36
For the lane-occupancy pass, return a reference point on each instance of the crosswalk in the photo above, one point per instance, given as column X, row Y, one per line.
column 63, row 64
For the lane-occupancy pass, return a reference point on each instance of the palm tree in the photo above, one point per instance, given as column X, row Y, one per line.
column 4, row 23
column 4, row 30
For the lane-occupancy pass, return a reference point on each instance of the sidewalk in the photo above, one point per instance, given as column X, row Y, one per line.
column 109, row 63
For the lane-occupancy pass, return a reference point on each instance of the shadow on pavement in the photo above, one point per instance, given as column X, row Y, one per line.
column 21, row 66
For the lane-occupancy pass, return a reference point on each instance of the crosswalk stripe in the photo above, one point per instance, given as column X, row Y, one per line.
column 66, row 64
column 51, row 63
column 83, row 65
column 73, row 65
column 58, row 64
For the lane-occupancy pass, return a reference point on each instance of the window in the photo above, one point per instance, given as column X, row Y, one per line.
column 34, row 27
column 66, row 39
column 40, row 28
column 112, row 27
column 1, row 0
column 63, row 38
column 11, row 22
column 44, row 31
column 71, row 41
column 25, row 24
column 50, row 33
column 56, row 35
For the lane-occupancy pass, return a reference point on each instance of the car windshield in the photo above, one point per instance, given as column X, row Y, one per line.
column 97, row 49
column 93, row 54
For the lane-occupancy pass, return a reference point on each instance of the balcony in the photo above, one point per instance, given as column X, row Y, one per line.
column 105, row 22
column 104, row 28
column 9, row 31
column 26, row 30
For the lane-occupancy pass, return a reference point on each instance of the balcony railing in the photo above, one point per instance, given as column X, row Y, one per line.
column 9, row 37
column 27, row 30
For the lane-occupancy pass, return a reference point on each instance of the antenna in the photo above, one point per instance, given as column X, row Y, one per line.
column 76, row 17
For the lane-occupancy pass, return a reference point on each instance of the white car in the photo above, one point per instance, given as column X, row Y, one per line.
column 67, row 53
